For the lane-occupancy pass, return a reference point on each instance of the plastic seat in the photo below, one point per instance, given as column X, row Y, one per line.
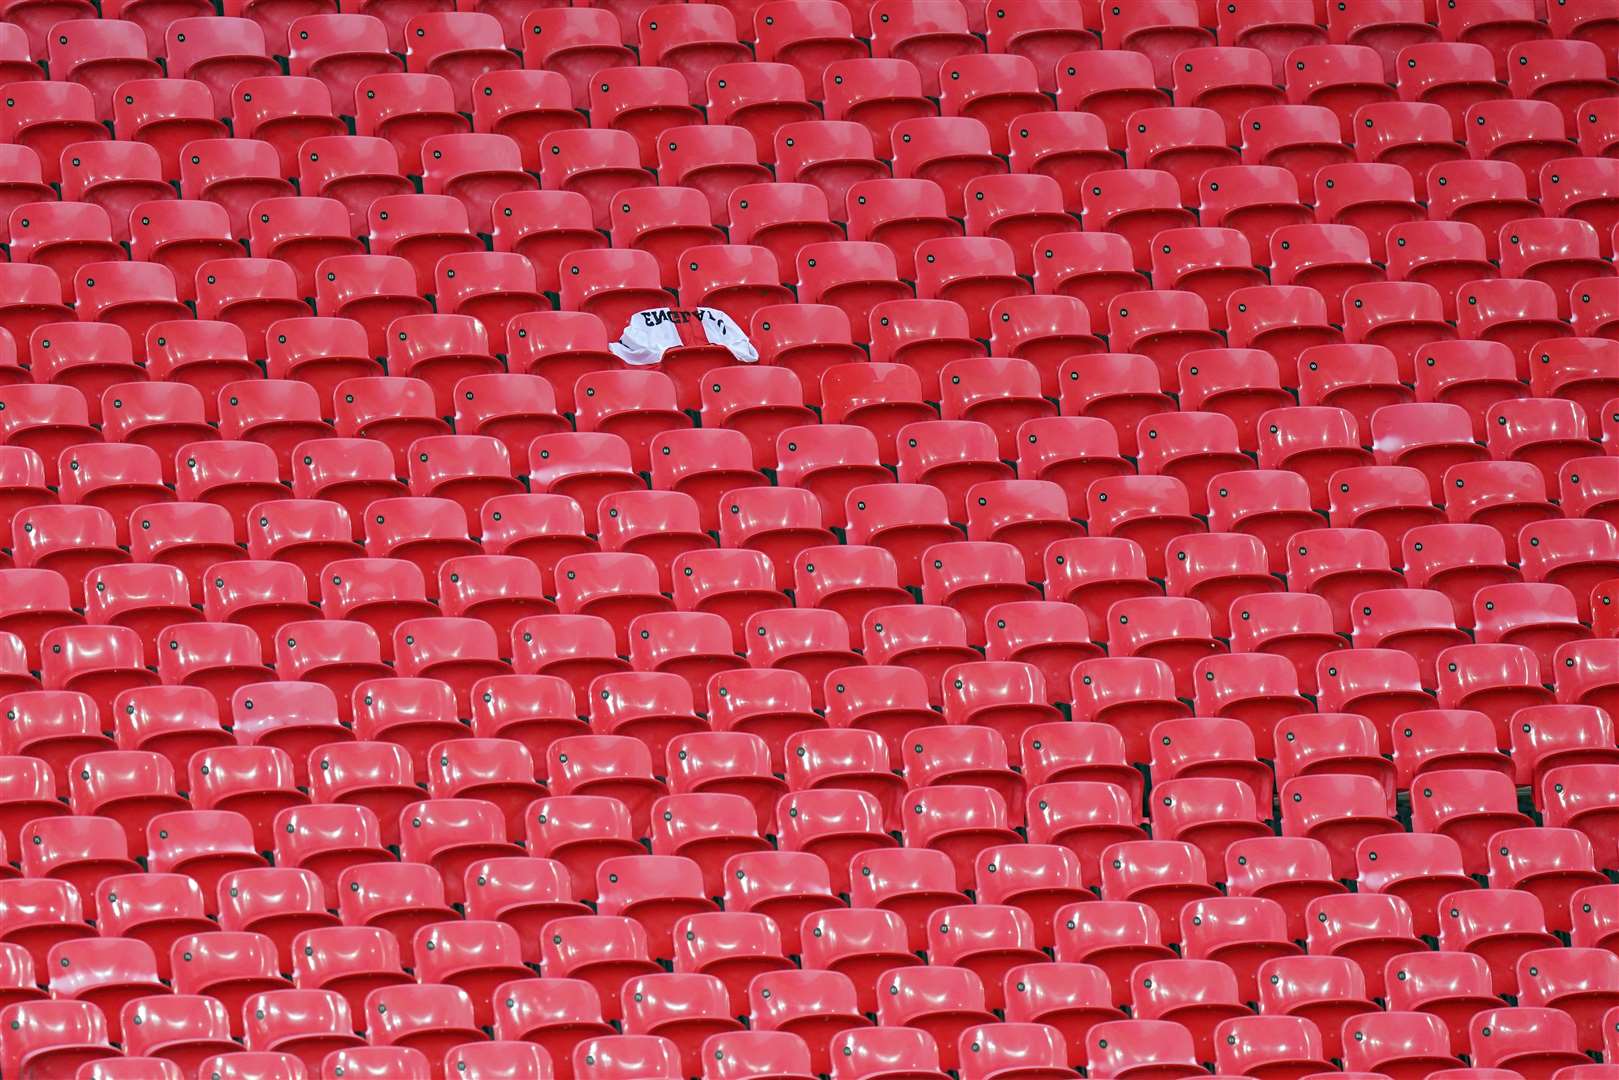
column 652, row 707
column 1430, row 437
column 84, row 358
column 1419, row 136
column 182, row 235
column 1577, row 553
column 129, row 296
column 100, row 661
column 60, row 237
column 1451, row 75
column 351, row 170
column 475, row 955
column 878, row 1051
column 1526, row 1038
column 24, row 473
column 948, row 150
column 1552, row 871
column 1183, row 142
column 128, row 786
column 908, row 884
column 1084, row 815
column 1451, row 737
column 56, row 1035
column 935, row 1005
column 1496, row 924
column 256, row 782
column 1579, row 982
column 381, row 775
column 1584, row 676
column 1577, row 369
column 1416, row 621
column 781, row 218
column 757, row 98
column 553, row 1014
column 1459, row 812
column 875, row 93
column 49, row 116
column 460, row 47
column 117, row 176
column 618, row 1057
column 360, row 289
column 727, row 762
column 655, row 890
column 993, row 89
column 591, row 164
column 100, row 54
column 114, row 1068
column 880, row 703
column 854, row 277
column 924, row 335
column 407, row 110
column 476, row 169
column 525, row 106
column 49, row 421
column 41, row 603
column 1353, row 682
column 431, row 1018
column 1544, row 432
column 467, row 469
column 576, row 46
column 1525, row 133
column 618, row 767
column 1159, row 874
column 1141, row 1048
column 1563, row 253
column 572, row 648
column 809, row 38
column 641, row 101
column 348, row 960
column 1473, row 374
column 1397, row 1041
column 1505, row 496
column 985, row 1050
column 1340, row 77
column 206, row 845
column 305, row 1025
column 450, row 834
column 282, row 112
column 684, row 1009
column 419, row 229
column 860, row 944
column 1572, row 797
column 1331, row 259
column 340, row 50
column 266, row 909
column 806, row 339
column 1448, row 986
column 693, row 646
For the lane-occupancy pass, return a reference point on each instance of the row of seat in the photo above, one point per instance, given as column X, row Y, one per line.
column 1505, row 1036
column 60, row 146
column 1111, row 953
column 1206, row 797
column 972, row 593
column 1018, row 233
column 1177, row 20
column 968, row 292
column 1112, row 416
column 341, row 49
column 1444, row 1001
